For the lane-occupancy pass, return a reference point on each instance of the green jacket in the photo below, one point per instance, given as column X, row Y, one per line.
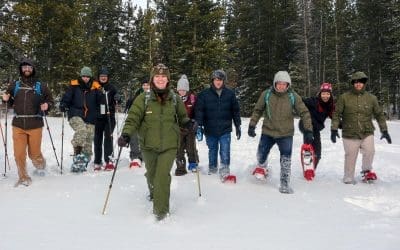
column 157, row 126
column 280, row 120
column 356, row 110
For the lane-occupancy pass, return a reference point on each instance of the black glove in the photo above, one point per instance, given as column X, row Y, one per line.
column 386, row 135
column 63, row 107
column 238, row 132
column 192, row 125
column 252, row 131
column 334, row 134
column 308, row 137
column 123, row 140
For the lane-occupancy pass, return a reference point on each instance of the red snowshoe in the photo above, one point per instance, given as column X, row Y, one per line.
column 368, row 176
column 260, row 173
column 136, row 163
column 109, row 166
column 308, row 161
column 229, row 179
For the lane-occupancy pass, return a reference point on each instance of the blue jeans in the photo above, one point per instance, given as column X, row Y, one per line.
column 224, row 144
column 267, row 142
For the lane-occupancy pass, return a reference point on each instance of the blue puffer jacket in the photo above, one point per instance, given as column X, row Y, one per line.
column 216, row 112
column 83, row 100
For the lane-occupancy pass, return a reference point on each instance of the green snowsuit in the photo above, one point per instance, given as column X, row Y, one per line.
column 158, row 131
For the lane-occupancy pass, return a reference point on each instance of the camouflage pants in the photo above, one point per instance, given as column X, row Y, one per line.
column 83, row 136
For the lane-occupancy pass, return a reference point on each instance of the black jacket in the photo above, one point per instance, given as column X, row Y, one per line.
column 83, row 100
column 112, row 95
column 319, row 111
column 216, row 112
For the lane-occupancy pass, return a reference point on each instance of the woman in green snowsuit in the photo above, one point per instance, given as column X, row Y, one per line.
column 156, row 116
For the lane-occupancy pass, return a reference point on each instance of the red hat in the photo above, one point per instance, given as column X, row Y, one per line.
column 326, row 87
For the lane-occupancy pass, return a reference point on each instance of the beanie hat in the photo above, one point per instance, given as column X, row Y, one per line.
column 183, row 83
column 86, row 71
column 160, row 69
column 326, row 87
column 26, row 61
column 104, row 71
column 220, row 74
column 282, row 76
column 359, row 76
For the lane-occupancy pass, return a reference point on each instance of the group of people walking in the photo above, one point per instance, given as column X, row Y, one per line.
column 162, row 125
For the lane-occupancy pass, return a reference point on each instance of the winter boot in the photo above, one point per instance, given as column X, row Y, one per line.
column 180, row 168
column 109, row 166
column 212, row 170
column 285, row 175
column 368, row 176
column 192, row 167
column 39, row 172
column 135, row 163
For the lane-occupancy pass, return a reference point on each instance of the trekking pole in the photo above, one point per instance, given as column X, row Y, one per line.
column 112, row 180
column 198, row 180
column 51, row 138
column 5, row 141
column 62, row 142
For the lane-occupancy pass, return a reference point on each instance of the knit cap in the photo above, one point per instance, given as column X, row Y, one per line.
column 183, row 83
column 282, row 76
column 86, row 71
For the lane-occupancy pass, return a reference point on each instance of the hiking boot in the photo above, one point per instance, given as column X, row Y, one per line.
column 25, row 182
column 180, row 171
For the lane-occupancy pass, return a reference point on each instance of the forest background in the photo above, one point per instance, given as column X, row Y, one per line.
column 315, row 40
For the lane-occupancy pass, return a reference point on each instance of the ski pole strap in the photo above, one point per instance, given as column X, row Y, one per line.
column 27, row 116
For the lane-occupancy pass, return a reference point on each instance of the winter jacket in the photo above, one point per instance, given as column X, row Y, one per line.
column 111, row 91
column 27, row 102
column 83, row 100
column 319, row 111
column 157, row 125
column 190, row 101
column 280, row 121
column 357, row 109
column 216, row 112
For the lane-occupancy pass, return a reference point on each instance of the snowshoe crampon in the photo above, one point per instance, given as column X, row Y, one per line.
column 260, row 173
column 308, row 161
column 80, row 163
column 369, row 176
column 229, row 179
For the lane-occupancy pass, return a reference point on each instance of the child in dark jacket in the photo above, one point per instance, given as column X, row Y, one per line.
column 320, row 107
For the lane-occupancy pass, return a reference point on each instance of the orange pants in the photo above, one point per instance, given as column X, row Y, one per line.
column 31, row 139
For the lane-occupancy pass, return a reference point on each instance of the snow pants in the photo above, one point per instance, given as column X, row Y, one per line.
column 187, row 145
column 83, row 136
column 351, row 148
column 30, row 139
column 102, row 131
column 158, row 167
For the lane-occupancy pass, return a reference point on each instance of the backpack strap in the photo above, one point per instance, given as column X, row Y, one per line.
column 37, row 88
column 292, row 100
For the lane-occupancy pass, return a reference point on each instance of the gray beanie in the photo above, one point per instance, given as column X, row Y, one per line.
column 282, row 76
column 86, row 71
column 183, row 83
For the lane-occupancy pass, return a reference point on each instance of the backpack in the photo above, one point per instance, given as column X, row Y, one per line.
column 292, row 99
column 37, row 88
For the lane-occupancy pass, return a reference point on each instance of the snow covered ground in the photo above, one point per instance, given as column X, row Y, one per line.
column 64, row 211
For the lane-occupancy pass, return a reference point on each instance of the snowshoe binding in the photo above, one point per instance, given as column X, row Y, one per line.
column 24, row 182
column 135, row 163
column 308, row 161
column 80, row 162
column 368, row 176
column 260, row 173
column 109, row 166
column 228, row 179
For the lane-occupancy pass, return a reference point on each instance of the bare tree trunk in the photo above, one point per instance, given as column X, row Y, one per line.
column 337, row 69
column 306, row 9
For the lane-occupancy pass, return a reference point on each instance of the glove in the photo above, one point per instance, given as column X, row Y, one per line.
column 238, row 132
column 386, row 135
column 252, row 131
column 123, row 140
column 308, row 137
column 199, row 133
column 192, row 125
column 63, row 107
column 334, row 134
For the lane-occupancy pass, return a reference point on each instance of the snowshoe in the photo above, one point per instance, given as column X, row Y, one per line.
column 24, row 182
column 192, row 167
column 228, row 179
column 368, row 176
column 80, row 162
column 285, row 189
column 39, row 172
column 212, row 171
column 97, row 167
column 136, row 163
column 109, row 166
column 260, row 173
column 308, row 161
